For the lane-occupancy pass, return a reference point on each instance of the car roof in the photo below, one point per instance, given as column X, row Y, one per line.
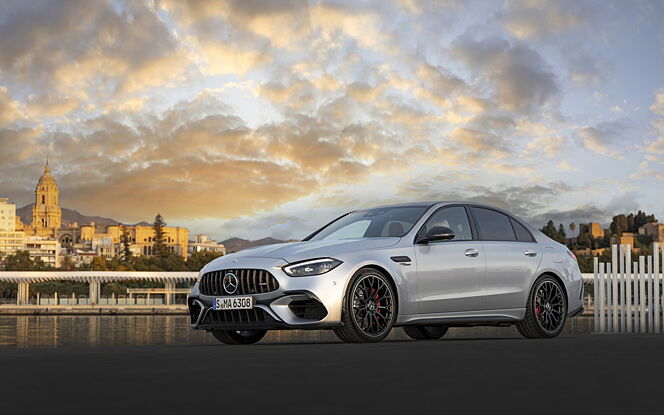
column 431, row 204
column 436, row 203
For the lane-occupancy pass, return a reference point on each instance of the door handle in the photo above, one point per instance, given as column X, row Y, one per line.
column 530, row 253
column 471, row 252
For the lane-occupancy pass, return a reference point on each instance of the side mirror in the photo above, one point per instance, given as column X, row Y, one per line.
column 437, row 233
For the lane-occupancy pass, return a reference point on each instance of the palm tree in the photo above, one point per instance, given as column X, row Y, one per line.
column 572, row 227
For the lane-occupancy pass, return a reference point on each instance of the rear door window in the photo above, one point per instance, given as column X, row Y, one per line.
column 493, row 225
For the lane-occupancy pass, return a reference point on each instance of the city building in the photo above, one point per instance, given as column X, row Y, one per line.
column 627, row 238
column 596, row 230
column 40, row 247
column 46, row 213
column 82, row 256
column 204, row 243
column 103, row 240
column 141, row 238
column 655, row 230
column 11, row 240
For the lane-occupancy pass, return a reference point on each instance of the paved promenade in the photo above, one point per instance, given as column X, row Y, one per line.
column 573, row 374
column 10, row 309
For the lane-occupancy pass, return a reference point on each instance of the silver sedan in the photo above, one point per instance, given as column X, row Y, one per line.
column 422, row 266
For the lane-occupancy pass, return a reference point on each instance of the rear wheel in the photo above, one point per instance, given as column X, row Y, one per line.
column 234, row 337
column 369, row 308
column 425, row 332
column 546, row 311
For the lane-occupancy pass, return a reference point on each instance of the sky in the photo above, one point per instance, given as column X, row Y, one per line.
column 259, row 118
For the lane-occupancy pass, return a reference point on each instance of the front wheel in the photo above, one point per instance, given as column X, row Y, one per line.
column 235, row 337
column 369, row 308
column 425, row 332
column 546, row 311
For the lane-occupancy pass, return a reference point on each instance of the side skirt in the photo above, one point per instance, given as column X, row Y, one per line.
column 465, row 318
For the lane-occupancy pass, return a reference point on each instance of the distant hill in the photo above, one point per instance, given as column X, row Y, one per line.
column 238, row 244
column 68, row 217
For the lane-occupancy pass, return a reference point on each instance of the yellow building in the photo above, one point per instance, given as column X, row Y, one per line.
column 48, row 250
column 141, row 237
column 596, row 230
column 11, row 240
column 46, row 213
column 627, row 238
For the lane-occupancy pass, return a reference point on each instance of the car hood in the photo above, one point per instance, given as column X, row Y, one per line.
column 299, row 251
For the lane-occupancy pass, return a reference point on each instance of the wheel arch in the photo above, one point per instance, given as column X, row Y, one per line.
column 557, row 278
column 389, row 276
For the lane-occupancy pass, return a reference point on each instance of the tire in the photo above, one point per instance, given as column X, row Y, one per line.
column 425, row 332
column 546, row 311
column 236, row 337
column 369, row 308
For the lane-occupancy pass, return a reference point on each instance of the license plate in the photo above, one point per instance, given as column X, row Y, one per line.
column 233, row 303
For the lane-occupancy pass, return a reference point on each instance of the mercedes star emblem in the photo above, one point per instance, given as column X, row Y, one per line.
column 230, row 283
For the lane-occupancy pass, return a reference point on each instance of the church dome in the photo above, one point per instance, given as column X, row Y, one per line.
column 46, row 178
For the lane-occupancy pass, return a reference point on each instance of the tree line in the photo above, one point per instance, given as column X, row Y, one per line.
column 620, row 224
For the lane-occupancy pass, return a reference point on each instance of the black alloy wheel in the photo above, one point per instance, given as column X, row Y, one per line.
column 369, row 308
column 546, row 311
column 235, row 337
column 425, row 332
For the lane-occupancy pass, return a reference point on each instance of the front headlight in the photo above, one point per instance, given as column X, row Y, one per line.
column 311, row 267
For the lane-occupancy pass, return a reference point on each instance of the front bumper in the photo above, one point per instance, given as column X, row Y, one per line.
column 298, row 302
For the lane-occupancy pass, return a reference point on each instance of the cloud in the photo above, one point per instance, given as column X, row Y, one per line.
column 601, row 138
column 565, row 166
column 49, row 105
column 478, row 144
column 76, row 45
column 585, row 70
column 582, row 214
column 523, row 201
column 658, row 106
column 537, row 19
column 548, row 147
column 522, row 80
column 193, row 161
column 9, row 108
column 591, row 212
column 657, row 146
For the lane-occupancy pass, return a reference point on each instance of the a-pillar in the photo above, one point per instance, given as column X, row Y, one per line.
column 170, row 287
column 94, row 292
column 22, row 294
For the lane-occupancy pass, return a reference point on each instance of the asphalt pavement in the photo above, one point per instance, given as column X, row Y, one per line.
column 588, row 373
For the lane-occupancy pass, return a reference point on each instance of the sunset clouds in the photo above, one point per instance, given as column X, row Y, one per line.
column 239, row 117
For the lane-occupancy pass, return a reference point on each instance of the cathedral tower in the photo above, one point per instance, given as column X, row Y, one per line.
column 46, row 214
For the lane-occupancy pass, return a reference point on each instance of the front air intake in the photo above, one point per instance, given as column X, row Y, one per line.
column 308, row 309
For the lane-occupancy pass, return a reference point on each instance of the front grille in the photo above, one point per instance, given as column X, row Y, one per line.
column 250, row 281
column 255, row 315
column 308, row 309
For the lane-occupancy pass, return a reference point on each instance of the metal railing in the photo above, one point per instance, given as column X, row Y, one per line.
column 628, row 294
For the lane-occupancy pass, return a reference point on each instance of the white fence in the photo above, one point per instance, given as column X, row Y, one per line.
column 628, row 294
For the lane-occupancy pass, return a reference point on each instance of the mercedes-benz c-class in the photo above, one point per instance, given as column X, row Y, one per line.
column 421, row 266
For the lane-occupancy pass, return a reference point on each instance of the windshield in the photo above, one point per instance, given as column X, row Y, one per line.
column 372, row 223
